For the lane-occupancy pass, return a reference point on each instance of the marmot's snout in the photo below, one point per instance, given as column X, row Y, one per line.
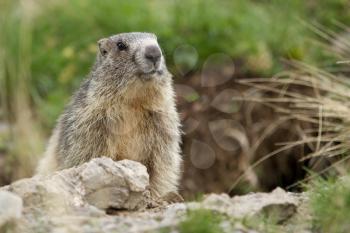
column 153, row 55
column 150, row 59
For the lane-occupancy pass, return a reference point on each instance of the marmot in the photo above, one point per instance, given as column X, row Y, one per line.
column 125, row 109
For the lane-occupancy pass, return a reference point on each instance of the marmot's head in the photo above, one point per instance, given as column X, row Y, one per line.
column 128, row 58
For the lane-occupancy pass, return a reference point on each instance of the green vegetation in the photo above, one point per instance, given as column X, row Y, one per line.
column 201, row 221
column 207, row 221
column 330, row 204
column 49, row 55
column 263, row 224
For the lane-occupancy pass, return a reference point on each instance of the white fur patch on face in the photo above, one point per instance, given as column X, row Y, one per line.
column 148, row 42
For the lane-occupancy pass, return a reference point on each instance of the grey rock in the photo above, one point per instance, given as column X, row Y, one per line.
column 76, row 199
column 101, row 182
column 278, row 203
column 11, row 207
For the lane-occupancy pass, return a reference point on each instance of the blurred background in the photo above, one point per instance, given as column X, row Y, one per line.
column 47, row 48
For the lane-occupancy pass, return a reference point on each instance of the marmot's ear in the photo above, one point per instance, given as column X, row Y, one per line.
column 105, row 45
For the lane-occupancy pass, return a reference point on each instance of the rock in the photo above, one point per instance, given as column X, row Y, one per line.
column 101, row 182
column 119, row 185
column 77, row 199
column 11, row 207
column 278, row 204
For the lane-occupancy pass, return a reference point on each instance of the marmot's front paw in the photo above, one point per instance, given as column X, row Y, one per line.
column 172, row 197
column 168, row 198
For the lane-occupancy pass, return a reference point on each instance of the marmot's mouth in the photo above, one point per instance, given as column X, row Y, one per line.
column 159, row 72
column 151, row 74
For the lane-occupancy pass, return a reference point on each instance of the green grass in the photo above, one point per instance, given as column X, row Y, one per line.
column 61, row 49
column 207, row 221
column 330, row 205
column 201, row 221
column 262, row 224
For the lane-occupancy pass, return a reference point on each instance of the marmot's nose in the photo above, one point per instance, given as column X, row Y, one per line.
column 152, row 53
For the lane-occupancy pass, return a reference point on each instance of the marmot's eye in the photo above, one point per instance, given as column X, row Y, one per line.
column 121, row 46
column 104, row 52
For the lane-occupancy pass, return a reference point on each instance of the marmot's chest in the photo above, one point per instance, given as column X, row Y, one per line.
column 133, row 135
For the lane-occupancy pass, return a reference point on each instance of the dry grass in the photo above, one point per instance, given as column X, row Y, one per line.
column 15, row 75
column 319, row 97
